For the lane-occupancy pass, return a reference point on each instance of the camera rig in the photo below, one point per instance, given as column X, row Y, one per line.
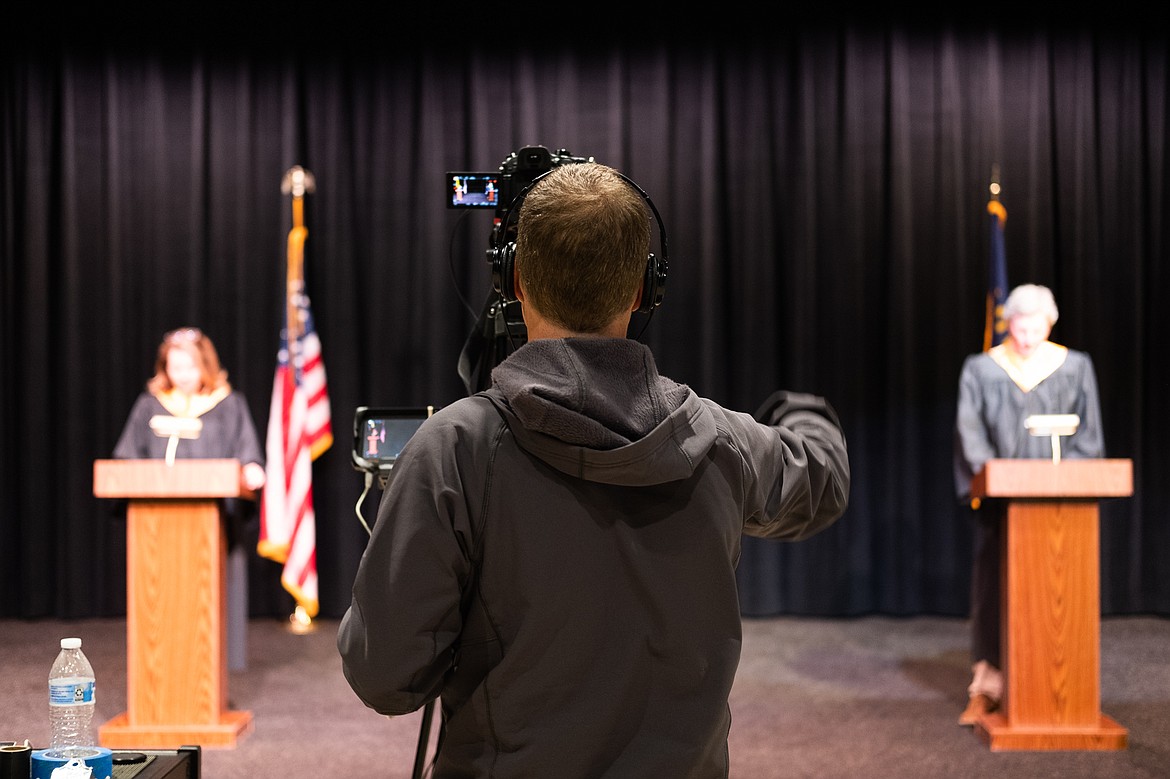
column 499, row 189
column 499, row 329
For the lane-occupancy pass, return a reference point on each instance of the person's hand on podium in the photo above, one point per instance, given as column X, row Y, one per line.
column 252, row 476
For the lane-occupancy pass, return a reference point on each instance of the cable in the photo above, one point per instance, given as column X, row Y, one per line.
column 451, row 264
column 361, row 499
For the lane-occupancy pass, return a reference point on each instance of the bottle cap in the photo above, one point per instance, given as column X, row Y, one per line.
column 71, row 643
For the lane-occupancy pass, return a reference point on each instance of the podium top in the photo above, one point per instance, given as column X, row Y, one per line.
column 188, row 478
column 1042, row 478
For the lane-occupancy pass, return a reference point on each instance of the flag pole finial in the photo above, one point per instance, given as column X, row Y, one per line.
column 994, row 188
column 298, row 182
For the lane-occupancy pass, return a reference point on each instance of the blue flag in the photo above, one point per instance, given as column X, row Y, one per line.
column 995, row 328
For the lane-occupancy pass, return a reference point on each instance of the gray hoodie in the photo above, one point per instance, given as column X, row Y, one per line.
column 556, row 558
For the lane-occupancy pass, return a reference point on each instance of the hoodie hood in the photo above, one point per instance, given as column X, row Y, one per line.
column 596, row 408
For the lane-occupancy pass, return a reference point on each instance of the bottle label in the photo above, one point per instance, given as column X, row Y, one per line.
column 71, row 693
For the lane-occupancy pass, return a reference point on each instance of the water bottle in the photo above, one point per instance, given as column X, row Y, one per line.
column 71, row 699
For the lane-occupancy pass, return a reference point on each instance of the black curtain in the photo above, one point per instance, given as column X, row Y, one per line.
column 823, row 185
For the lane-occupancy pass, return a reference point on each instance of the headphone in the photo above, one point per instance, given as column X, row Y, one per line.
column 503, row 258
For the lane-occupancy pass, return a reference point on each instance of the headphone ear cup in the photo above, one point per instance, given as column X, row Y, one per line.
column 503, row 261
column 653, row 284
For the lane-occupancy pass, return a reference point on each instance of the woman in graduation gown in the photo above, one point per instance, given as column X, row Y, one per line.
column 190, row 383
column 998, row 389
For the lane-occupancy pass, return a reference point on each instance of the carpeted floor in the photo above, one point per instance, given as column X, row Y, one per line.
column 814, row 698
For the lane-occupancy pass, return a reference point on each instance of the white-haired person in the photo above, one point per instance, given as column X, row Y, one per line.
column 1026, row 374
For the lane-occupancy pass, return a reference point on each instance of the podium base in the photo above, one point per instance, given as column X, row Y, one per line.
column 1001, row 736
column 118, row 733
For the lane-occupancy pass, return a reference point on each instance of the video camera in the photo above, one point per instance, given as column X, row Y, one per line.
column 380, row 433
column 498, row 189
column 500, row 328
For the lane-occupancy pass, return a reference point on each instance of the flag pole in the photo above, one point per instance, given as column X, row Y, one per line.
column 297, row 182
column 299, row 428
column 997, row 271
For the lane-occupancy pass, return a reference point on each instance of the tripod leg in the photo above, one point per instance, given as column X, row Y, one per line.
column 424, row 735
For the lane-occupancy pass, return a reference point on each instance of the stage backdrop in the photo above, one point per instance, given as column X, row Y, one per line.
column 823, row 185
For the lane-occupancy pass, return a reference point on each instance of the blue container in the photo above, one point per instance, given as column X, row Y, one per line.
column 100, row 759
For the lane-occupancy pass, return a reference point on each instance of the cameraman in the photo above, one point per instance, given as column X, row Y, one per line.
column 555, row 557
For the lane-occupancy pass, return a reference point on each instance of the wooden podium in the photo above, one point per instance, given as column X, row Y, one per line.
column 1051, row 603
column 176, row 629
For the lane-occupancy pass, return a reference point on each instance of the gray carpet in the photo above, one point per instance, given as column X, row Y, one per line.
column 867, row 697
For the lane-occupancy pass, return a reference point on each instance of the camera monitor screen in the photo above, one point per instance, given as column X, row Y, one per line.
column 473, row 190
column 380, row 433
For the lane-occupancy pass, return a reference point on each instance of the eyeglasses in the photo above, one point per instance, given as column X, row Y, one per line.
column 183, row 335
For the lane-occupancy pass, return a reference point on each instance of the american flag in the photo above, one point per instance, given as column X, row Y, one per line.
column 299, row 430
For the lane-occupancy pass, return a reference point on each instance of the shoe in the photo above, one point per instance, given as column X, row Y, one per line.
column 977, row 706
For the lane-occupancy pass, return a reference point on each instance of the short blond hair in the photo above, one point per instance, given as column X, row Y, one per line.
column 582, row 245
